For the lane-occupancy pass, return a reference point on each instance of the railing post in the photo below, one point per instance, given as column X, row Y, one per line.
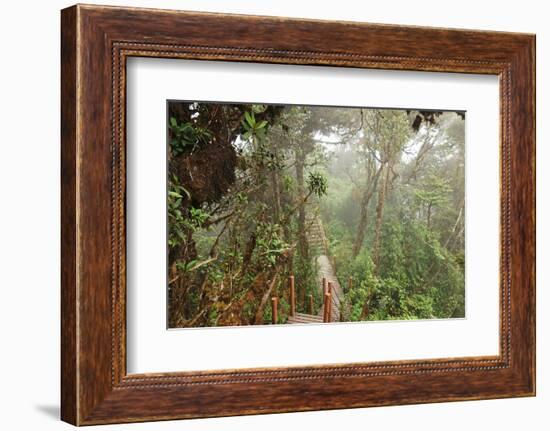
column 330, row 301
column 292, row 297
column 329, row 312
column 324, row 285
column 310, row 304
column 274, row 302
column 326, row 308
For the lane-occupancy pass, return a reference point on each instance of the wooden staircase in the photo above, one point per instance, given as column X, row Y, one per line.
column 317, row 242
column 329, row 286
column 302, row 318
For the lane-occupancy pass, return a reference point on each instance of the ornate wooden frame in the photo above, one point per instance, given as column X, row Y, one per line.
column 95, row 43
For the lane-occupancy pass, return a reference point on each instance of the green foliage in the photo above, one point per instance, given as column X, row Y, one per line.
column 269, row 243
column 317, row 184
column 181, row 221
column 434, row 191
column 176, row 219
column 197, row 217
column 186, row 137
column 253, row 128
column 306, row 273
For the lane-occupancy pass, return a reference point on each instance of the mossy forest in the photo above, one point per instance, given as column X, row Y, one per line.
column 284, row 214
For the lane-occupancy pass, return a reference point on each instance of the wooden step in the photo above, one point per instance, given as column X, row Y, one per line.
column 304, row 318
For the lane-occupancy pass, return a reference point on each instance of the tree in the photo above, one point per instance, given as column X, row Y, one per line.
column 394, row 133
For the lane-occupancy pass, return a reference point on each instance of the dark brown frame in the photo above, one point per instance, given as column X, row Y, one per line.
column 95, row 43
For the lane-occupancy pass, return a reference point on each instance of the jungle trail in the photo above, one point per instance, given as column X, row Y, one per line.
column 269, row 206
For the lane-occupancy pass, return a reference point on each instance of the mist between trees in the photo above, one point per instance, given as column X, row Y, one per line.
column 370, row 199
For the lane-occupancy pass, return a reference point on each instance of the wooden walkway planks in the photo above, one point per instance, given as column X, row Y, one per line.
column 318, row 246
column 327, row 271
column 304, row 318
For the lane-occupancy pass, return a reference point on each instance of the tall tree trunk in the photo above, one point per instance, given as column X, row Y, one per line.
column 276, row 195
column 379, row 216
column 302, row 240
column 363, row 218
column 362, row 227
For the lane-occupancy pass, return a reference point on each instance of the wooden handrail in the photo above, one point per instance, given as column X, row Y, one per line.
column 329, row 312
column 274, row 303
column 292, row 297
column 325, row 307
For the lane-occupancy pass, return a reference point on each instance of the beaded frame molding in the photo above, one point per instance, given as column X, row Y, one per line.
column 95, row 43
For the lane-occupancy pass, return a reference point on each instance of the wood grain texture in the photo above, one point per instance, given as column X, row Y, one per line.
column 69, row 397
column 96, row 41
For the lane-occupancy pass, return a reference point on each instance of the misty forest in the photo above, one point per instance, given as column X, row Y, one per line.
column 305, row 214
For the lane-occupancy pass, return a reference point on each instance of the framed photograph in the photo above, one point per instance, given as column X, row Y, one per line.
column 266, row 215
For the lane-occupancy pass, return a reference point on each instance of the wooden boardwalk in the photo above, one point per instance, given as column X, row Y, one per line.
column 305, row 318
column 327, row 271
column 318, row 246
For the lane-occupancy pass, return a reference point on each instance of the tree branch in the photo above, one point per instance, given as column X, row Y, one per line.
column 258, row 319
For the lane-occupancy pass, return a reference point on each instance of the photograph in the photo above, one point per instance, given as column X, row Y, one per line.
column 298, row 214
column 276, row 210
